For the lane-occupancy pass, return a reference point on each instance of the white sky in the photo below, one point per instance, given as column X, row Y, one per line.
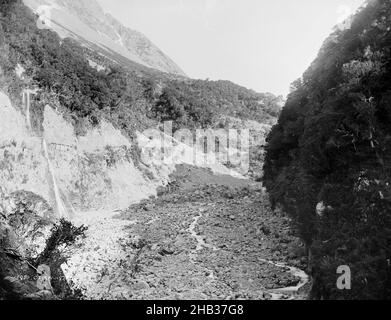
column 260, row 44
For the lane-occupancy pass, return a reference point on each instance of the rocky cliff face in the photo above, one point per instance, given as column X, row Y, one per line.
column 99, row 170
column 90, row 172
column 53, row 175
column 87, row 22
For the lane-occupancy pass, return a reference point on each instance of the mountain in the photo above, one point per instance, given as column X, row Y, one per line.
column 328, row 158
column 86, row 21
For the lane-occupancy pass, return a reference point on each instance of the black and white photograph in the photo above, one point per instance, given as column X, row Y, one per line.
column 213, row 152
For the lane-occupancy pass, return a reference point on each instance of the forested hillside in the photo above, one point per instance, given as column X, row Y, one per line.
column 131, row 96
column 328, row 159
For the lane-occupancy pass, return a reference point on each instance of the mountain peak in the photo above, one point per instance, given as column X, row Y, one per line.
column 86, row 21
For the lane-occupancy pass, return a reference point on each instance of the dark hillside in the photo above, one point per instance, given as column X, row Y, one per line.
column 328, row 160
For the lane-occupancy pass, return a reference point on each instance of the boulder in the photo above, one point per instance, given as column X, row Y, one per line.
column 26, row 222
column 24, row 231
column 25, row 201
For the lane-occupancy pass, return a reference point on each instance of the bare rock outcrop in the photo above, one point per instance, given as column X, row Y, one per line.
column 29, row 257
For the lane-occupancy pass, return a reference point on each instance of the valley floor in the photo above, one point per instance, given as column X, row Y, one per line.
column 207, row 237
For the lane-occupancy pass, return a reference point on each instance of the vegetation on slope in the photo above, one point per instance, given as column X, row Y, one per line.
column 197, row 102
column 129, row 96
column 60, row 69
column 328, row 158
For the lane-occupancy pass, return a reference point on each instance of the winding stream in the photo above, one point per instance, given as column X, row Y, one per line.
column 287, row 293
column 200, row 240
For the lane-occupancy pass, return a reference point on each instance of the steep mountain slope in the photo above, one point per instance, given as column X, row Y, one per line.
column 328, row 158
column 86, row 21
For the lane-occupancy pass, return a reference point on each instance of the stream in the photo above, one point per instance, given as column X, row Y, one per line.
column 287, row 293
column 61, row 210
column 200, row 240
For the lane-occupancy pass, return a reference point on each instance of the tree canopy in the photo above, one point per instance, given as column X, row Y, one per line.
column 328, row 158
